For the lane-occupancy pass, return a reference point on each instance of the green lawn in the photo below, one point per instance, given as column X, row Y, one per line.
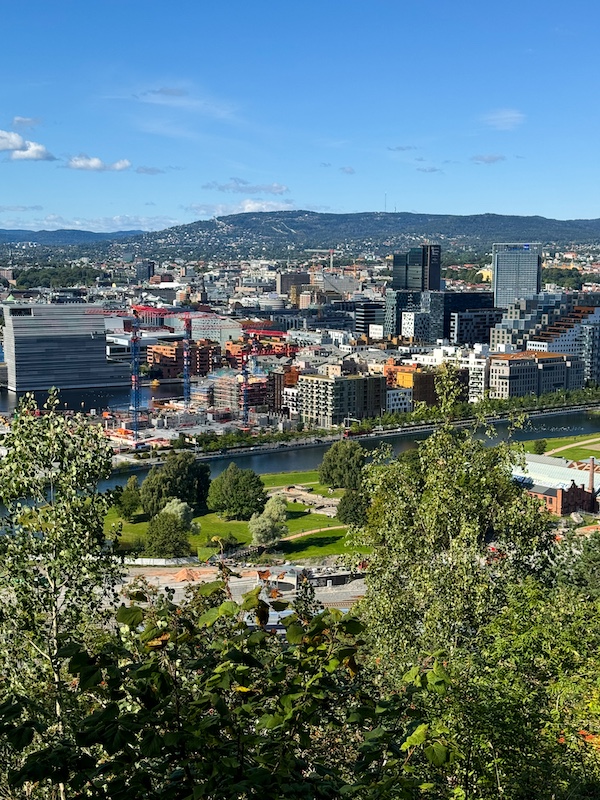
column 573, row 451
column 274, row 479
column 299, row 520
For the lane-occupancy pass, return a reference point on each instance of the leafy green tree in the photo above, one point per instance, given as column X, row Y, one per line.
column 237, row 493
column 182, row 477
column 57, row 572
column 167, row 536
column 128, row 500
column 342, row 465
column 192, row 700
column 352, row 508
column 184, row 512
column 540, row 446
column 445, row 541
column 268, row 527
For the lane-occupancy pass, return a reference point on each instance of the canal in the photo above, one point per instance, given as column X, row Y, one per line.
column 306, row 457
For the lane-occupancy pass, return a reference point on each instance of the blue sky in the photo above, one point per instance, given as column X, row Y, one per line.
column 121, row 115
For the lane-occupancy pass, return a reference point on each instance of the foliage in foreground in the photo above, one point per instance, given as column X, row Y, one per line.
column 200, row 700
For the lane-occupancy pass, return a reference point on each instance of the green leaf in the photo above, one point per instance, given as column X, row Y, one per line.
column 417, row 737
column 251, row 599
column 295, row 633
column 209, row 588
column 229, row 608
column 436, row 754
column 151, row 744
column 89, row 676
column 209, row 617
column 21, row 737
column 132, row 616
column 279, row 605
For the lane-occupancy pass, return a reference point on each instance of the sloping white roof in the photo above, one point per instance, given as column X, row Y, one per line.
column 552, row 472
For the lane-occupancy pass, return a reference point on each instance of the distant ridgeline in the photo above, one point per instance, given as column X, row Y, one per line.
column 279, row 234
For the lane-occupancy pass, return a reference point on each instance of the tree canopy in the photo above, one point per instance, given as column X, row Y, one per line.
column 237, row 493
column 182, row 477
column 268, row 527
column 342, row 465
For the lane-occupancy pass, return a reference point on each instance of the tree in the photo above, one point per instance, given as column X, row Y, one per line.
column 194, row 700
column 237, row 493
column 342, row 465
column 57, row 572
column 128, row 500
column 540, row 446
column 181, row 476
column 167, row 537
column 268, row 527
column 184, row 512
column 446, row 540
column 352, row 508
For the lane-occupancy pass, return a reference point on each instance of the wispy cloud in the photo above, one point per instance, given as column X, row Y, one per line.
column 348, row 170
column 18, row 209
column 504, row 119
column 490, row 158
column 239, row 185
column 182, row 98
column 94, row 164
column 149, row 171
column 401, row 148
column 325, row 163
column 53, row 222
column 429, row 169
column 25, row 122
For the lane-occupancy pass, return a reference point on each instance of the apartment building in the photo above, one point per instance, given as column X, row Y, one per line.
column 529, row 372
column 326, row 401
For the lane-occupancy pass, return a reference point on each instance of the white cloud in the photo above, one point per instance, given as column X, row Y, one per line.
column 244, row 187
column 490, row 158
column 9, row 140
column 32, row 152
column 96, row 164
column 402, row 148
column 348, row 170
column 249, row 205
column 504, row 119
column 429, row 169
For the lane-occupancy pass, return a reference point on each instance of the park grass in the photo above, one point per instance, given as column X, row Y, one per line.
column 274, row 479
column 572, row 451
column 300, row 519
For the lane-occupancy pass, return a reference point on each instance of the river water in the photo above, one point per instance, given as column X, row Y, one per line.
column 307, row 457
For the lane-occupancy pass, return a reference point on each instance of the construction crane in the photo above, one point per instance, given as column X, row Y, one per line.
column 149, row 312
column 186, row 317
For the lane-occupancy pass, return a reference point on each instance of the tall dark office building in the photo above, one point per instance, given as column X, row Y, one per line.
column 419, row 269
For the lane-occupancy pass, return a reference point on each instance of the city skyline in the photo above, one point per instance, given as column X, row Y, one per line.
column 136, row 118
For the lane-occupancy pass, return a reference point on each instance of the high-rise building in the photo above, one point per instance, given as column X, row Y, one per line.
column 516, row 272
column 419, row 269
column 58, row 345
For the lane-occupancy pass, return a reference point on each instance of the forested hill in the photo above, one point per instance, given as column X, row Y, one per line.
column 62, row 237
column 279, row 233
column 288, row 233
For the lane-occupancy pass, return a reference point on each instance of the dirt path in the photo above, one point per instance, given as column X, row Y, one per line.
column 314, row 530
column 595, row 440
